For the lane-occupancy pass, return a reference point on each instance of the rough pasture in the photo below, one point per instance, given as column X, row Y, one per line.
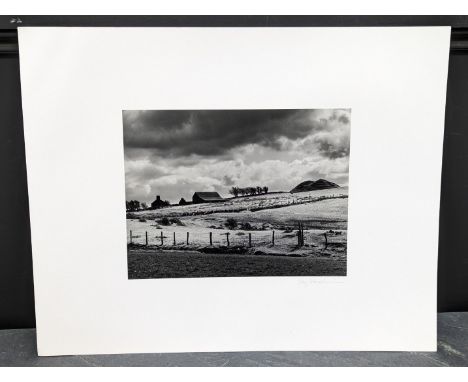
column 319, row 211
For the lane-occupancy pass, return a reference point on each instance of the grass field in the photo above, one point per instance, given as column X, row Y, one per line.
column 249, row 203
column 146, row 264
column 265, row 225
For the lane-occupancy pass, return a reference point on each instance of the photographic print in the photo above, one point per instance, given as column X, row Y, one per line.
column 232, row 193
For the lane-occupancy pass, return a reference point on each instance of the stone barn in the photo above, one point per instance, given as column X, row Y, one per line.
column 158, row 203
column 206, row 197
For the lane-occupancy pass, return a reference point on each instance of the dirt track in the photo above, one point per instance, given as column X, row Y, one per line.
column 146, row 264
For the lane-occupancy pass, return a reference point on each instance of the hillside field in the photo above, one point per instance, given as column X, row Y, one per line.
column 261, row 216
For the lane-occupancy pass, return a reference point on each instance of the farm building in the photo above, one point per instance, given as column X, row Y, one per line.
column 158, row 203
column 206, row 197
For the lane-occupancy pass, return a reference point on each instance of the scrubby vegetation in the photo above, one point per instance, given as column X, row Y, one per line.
column 230, row 223
column 169, row 221
column 247, row 226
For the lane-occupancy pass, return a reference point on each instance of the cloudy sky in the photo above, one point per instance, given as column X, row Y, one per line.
column 174, row 153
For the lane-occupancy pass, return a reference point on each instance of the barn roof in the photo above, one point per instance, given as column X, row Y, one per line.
column 208, row 196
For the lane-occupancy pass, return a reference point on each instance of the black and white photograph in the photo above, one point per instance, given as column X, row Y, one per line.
column 224, row 193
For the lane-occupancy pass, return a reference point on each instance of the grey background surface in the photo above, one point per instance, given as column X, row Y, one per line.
column 18, row 348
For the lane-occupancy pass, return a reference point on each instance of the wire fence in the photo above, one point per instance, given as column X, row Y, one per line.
column 168, row 238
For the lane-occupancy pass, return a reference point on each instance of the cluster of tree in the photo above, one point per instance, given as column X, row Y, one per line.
column 135, row 205
column 236, row 191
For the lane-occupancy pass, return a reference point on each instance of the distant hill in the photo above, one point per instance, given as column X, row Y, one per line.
column 311, row 185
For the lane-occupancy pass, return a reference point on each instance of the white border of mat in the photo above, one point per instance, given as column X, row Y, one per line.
column 77, row 81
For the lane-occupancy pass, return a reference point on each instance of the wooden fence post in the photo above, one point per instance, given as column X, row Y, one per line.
column 174, row 238
column 146, row 237
column 300, row 234
column 300, row 229
column 227, row 238
column 250, row 239
column 162, row 239
column 131, row 238
column 187, row 238
column 211, row 238
column 326, row 240
column 273, row 238
column 303, row 237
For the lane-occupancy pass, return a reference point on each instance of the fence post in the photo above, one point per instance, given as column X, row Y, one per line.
column 174, row 238
column 146, row 237
column 299, row 235
column 303, row 237
column 250, row 239
column 273, row 238
column 326, row 240
column 211, row 238
column 227, row 238
column 162, row 240
column 300, row 230
column 187, row 238
column 131, row 238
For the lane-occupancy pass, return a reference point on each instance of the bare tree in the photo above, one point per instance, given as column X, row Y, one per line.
column 234, row 191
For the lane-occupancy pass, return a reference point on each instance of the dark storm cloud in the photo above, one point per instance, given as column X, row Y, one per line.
column 333, row 143
column 331, row 150
column 228, row 181
column 175, row 153
column 343, row 118
column 181, row 133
